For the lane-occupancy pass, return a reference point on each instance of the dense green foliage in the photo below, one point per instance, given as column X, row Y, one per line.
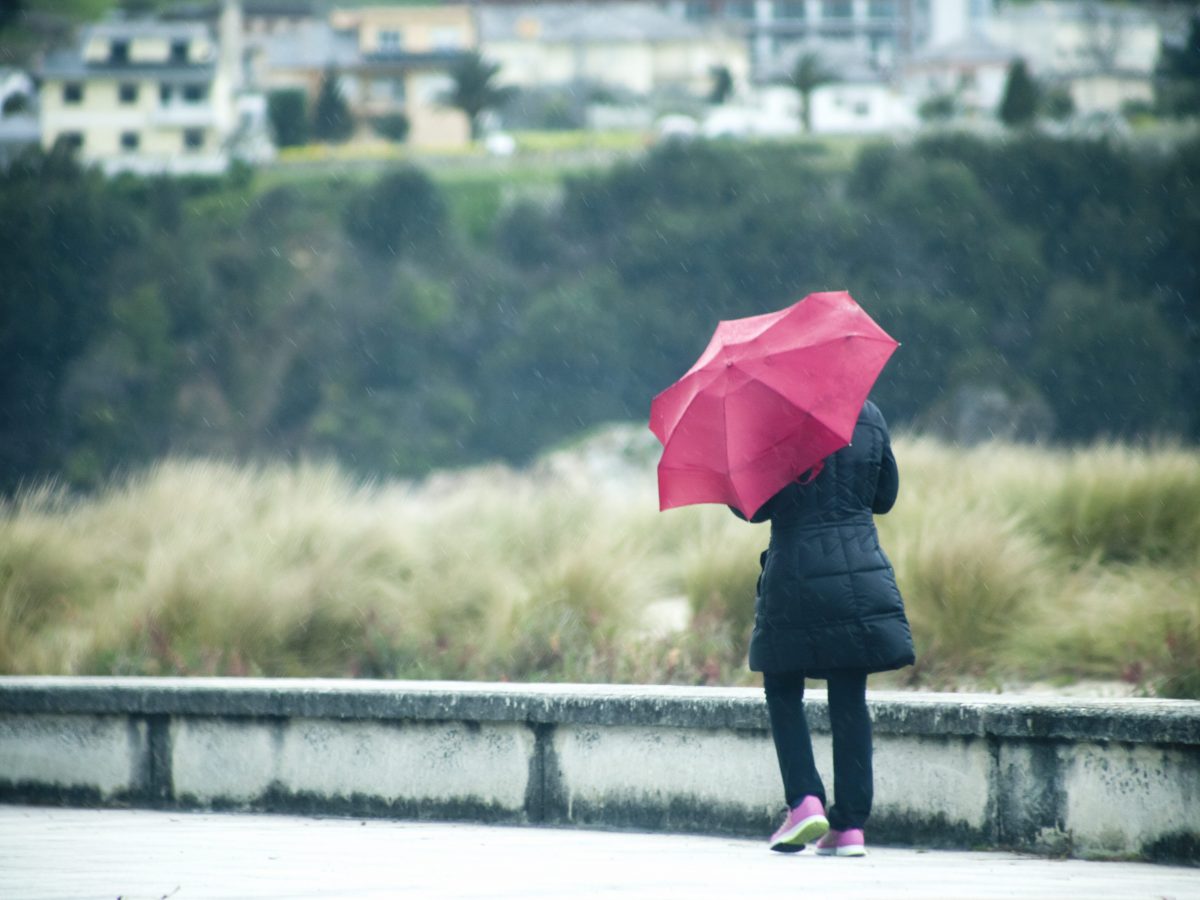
column 1178, row 88
column 475, row 89
column 287, row 111
column 1019, row 104
column 1039, row 287
column 332, row 119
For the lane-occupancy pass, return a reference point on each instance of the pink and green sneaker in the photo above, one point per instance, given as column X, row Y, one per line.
column 842, row 843
column 805, row 822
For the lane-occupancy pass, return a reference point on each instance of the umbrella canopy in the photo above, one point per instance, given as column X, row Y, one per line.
column 770, row 397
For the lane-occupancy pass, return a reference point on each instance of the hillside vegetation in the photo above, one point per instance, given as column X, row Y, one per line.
column 400, row 322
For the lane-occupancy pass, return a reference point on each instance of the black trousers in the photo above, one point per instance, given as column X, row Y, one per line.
column 853, row 778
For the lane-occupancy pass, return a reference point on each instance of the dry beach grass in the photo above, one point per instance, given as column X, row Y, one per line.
column 1018, row 564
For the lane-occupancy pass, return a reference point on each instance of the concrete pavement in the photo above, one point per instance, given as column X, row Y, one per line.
column 82, row 854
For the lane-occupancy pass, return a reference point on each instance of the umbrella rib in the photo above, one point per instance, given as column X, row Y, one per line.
column 833, row 339
column 785, row 399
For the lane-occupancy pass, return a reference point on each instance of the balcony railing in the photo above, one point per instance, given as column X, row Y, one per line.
column 184, row 115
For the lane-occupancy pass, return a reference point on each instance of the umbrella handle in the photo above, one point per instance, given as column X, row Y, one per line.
column 812, row 473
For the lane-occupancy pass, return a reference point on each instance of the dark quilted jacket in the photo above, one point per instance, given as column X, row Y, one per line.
column 827, row 596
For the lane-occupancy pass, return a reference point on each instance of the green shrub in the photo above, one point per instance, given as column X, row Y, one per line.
column 287, row 111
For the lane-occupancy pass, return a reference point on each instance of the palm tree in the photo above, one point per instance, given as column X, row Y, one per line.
column 474, row 89
column 808, row 74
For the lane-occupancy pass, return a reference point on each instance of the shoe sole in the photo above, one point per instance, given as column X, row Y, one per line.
column 802, row 832
column 852, row 850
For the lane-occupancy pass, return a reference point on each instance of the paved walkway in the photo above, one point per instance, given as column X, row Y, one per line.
column 142, row 855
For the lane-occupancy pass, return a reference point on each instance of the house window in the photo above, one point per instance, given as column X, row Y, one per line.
column 882, row 9
column 130, row 140
column 128, row 93
column 195, row 93
column 73, row 92
column 179, row 52
column 118, row 52
column 71, row 140
column 739, row 9
column 390, row 41
column 790, row 9
column 447, row 38
column 837, row 9
column 165, row 93
column 386, row 90
column 193, row 138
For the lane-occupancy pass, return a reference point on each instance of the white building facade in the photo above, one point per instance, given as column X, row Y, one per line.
column 146, row 96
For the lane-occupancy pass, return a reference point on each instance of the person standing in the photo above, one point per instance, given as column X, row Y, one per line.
column 827, row 607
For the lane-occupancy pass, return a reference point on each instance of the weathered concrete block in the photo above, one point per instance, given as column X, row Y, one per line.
column 429, row 768
column 673, row 778
column 948, row 776
column 72, row 757
column 1123, row 796
column 438, row 763
column 229, row 762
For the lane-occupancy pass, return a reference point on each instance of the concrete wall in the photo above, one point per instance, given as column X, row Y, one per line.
column 1113, row 778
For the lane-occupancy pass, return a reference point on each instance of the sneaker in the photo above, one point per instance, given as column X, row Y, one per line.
column 842, row 843
column 804, row 823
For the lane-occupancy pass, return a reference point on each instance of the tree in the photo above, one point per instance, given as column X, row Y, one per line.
column 808, row 74
column 475, row 89
column 402, row 209
column 332, row 120
column 1178, row 90
column 722, row 85
column 288, row 112
column 1020, row 102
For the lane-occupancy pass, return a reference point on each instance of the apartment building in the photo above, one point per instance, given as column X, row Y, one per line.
column 877, row 33
column 146, row 95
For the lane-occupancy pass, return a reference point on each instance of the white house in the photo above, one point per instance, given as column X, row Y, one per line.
column 1069, row 36
column 146, row 95
column 861, row 105
column 972, row 71
column 1103, row 53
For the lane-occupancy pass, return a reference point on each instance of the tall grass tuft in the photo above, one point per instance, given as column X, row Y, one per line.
column 1017, row 564
column 1119, row 504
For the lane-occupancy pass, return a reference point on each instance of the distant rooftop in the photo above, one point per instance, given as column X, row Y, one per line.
column 71, row 64
column 973, row 49
column 311, row 45
column 150, row 28
column 592, row 22
column 291, row 9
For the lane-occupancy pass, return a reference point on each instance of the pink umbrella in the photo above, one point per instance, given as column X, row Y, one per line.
column 769, row 399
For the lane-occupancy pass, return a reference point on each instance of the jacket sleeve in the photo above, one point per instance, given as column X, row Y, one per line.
column 888, row 485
